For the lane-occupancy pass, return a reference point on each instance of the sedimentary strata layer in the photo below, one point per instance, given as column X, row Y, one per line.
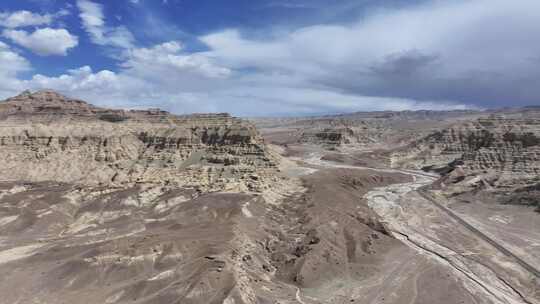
column 48, row 137
column 499, row 154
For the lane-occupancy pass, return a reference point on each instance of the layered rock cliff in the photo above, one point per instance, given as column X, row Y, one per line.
column 362, row 130
column 334, row 133
column 48, row 137
column 114, row 206
column 509, row 145
column 499, row 154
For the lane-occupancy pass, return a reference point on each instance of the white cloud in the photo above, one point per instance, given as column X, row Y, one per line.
column 23, row 18
column 164, row 75
column 168, row 57
column 93, row 20
column 161, row 73
column 45, row 41
column 389, row 60
column 26, row 18
column 105, row 88
column 178, row 91
column 12, row 64
column 82, row 79
column 466, row 54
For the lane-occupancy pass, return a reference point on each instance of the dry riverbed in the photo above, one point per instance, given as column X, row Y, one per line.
column 487, row 274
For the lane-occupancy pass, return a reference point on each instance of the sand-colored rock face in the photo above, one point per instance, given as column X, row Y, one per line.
column 362, row 134
column 498, row 154
column 47, row 137
column 113, row 206
column 360, row 131
column 509, row 145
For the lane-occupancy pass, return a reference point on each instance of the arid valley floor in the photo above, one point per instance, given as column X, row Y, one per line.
column 142, row 206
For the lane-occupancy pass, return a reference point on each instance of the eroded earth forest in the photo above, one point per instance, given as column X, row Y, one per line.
column 142, row 206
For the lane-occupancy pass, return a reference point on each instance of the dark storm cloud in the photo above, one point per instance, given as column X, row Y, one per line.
column 415, row 75
column 403, row 64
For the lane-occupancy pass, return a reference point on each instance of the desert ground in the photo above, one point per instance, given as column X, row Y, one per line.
column 112, row 206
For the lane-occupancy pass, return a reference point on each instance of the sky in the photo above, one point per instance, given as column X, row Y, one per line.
column 275, row 57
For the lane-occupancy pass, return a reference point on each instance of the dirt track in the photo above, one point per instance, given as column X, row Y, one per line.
column 482, row 235
column 331, row 233
column 498, row 281
column 480, row 265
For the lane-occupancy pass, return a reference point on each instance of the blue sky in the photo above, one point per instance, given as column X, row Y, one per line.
column 275, row 57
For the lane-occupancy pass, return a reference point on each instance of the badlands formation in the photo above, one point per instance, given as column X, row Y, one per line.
column 142, row 206
column 46, row 136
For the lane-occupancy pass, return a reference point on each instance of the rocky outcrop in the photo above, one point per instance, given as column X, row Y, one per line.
column 508, row 145
column 362, row 130
column 48, row 137
column 336, row 133
column 149, row 207
column 328, row 137
column 497, row 154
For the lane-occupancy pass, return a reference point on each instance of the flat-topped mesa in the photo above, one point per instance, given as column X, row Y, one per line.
column 45, row 136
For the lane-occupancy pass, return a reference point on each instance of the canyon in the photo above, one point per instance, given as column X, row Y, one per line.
column 111, row 206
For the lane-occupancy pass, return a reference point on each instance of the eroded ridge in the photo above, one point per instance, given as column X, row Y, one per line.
column 48, row 137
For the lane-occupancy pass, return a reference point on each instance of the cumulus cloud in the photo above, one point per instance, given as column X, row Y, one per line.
column 388, row 60
column 168, row 57
column 93, row 20
column 105, row 88
column 23, row 18
column 45, row 41
column 468, row 54
column 162, row 74
column 12, row 64
column 82, row 79
column 185, row 89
